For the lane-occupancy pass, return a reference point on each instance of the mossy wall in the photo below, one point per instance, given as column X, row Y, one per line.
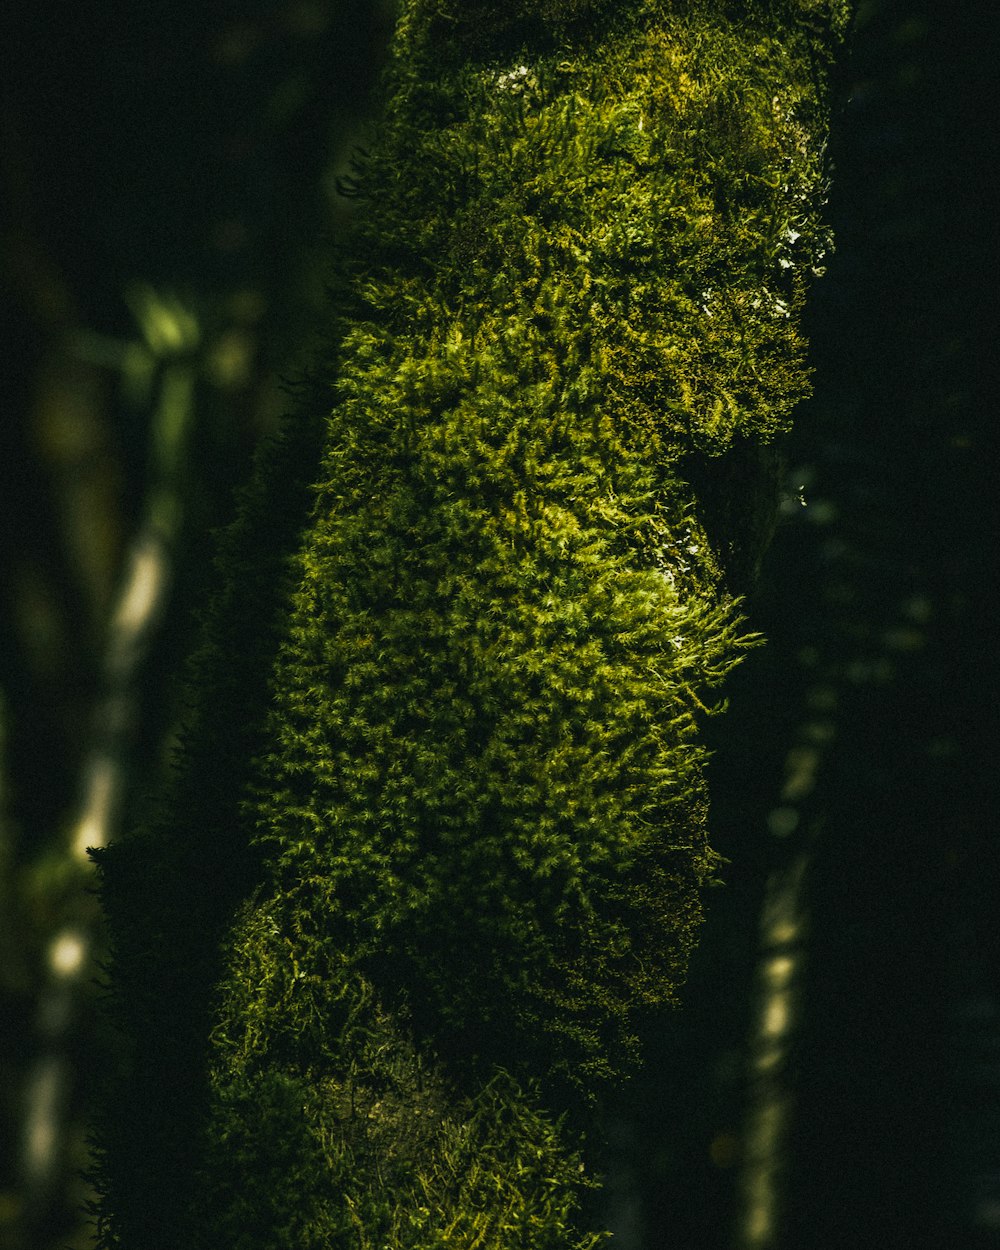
column 439, row 827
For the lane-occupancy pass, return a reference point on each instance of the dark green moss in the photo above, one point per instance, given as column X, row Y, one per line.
column 440, row 829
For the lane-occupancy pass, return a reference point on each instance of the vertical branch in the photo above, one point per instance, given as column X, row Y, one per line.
column 137, row 610
column 770, row 1098
column 469, row 841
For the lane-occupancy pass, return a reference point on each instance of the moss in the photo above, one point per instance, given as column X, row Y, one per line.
column 356, row 1135
column 440, row 827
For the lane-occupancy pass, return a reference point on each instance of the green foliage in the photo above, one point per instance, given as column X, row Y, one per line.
column 485, row 705
column 571, row 277
column 653, row 203
column 440, row 831
column 324, row 1104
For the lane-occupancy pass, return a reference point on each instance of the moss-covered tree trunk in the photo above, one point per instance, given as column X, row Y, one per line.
column 439, row 832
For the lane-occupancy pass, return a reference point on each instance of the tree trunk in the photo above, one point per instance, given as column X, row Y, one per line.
column 438, row 833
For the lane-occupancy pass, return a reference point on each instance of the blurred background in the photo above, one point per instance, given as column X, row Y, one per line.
column 168, row 202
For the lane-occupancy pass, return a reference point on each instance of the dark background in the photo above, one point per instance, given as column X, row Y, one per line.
column 175, row 165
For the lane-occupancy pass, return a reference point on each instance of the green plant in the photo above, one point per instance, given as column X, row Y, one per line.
column 439, row 832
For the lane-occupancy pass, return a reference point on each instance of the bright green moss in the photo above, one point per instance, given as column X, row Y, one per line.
column 440, row 829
